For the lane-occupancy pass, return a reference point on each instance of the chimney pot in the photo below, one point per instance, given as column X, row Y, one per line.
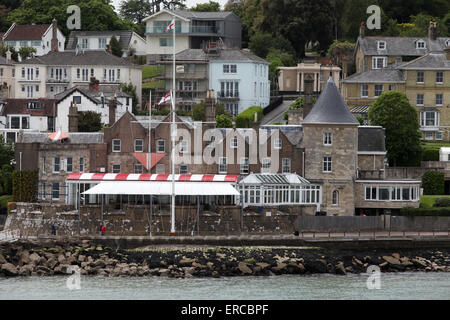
column 362, row 30
column 432, row 31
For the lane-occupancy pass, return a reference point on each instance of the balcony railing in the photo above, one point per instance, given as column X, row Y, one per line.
column 54, row 80
column 191, row 29
column 228, row 94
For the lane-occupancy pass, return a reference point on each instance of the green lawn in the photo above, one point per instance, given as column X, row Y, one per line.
column 435, row 145
column 152, row 71
column 5, row 199
column 160, row 84
column 428, row 201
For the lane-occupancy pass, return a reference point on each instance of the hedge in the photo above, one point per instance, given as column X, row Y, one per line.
column 441, row 203
column 25, row 185
column 429, row 212
column 245, row 118
column 433, row 183
column 430, row 155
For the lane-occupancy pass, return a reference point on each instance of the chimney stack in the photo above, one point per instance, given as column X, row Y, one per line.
column 112, row 111
column 8, row 55
column 54, row 36
column 447, row 52
column 73, row 117
column 94, row 84
column 308, row 105
column 362, row 30
column 432, row 31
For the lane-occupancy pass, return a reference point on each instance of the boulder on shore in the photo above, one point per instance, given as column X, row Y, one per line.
column 8, row 269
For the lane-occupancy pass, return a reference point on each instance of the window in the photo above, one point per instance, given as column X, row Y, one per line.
column 383, row 193
column 439, row 77
column 55, row 191
column 160, row 169
column 138, row 145
column 419, row 99
column 165, row 42
column 101, row 43
column 392, row 87
column 335, row 198
column 184, row 169
column 85, row 73
column 438, row 135
column 118, row 73
column 184, row 146
column 14, row 123
column 51, row 124
column 226, row 68
column 429, row 119
column 327, row 138
column 37, row 88
column 364, row 91
column 244, row 166
column 420, row 76
column 25, row 123
column 266, row 164
column 43, row 164
column 76, row 99
column 378, row 90
column 234, row 143
column 69, row 164
column 116, row 145
column 84, row 43
column 278, row 144
column 439, row 99
column 327, row 164
column 81, row 164
column 56, row 164
column 160, row 146
column 420, row 44
column 138, row 168
column 371, row 193
column 381, row 45
column 92, row 72
column 379, row 62
column 233, row 68
column 222, row 165
column 37, row 73
column 428, row 135
column 78, row 73
column 116, row 168
column 286, row 165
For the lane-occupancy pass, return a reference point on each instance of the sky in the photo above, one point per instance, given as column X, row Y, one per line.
column 189, row 3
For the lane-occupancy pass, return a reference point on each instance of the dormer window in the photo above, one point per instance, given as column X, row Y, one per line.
column 381, row 45
column 420, row 44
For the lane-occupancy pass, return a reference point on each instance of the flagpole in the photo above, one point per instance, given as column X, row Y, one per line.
column 149, row 159
column 172, row 230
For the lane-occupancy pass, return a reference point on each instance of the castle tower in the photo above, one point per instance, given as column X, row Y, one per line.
column 330, row 139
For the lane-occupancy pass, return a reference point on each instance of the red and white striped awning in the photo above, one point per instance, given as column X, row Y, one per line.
column 151, row 177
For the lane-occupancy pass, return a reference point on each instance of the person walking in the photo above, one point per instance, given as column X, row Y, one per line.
column 103, row 230
column 53, row 230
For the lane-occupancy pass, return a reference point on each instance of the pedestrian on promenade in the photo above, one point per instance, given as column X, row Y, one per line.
column 53, row 230
column 103, row 230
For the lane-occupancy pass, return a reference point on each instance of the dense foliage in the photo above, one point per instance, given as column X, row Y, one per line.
column 433, row 183
column 24, row 185
column 246, row 118
column 129, row 89
column 89, row 121
column 442, row 203
column 393, row 112
column 223, row 121
column 416, row 212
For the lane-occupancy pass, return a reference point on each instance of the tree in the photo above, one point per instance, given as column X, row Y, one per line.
column 223, row 121
column 4, row 49
column 220, row 109
column 26, row 52
column 7, row 167
column 89, row 121
column 393, row 112
column 116, row 49
column 131, row 90
column 199, row 112
column 210, row 6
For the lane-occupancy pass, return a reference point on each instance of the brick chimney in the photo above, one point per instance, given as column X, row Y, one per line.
column 112, row 111
column 54, row 36
column 308, row 105
column 447, row 52
column 432, row 31
column 8, row 55
column 362, row 30
column 94, row 84
column 210, row 106
column 73, row 117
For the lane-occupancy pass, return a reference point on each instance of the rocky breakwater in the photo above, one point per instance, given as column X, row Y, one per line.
column 55, row 258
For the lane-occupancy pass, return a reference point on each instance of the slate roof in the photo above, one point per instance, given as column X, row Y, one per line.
column 201, row 15
column 124, row 37
column 371, row 139
column 86, row 58
column 400, row 46
column 27, row 32
column 378, row 75
column 95, row 96
column 232, row 55
column 429, row 61
column 330, row 108
column 20, row 106
column 3, row 61
column 74, row 137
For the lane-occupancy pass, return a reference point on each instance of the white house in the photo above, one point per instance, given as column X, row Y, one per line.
column 55, row 72
column 26, row 115
column 93, row 98
column 99, row 40
column 193, row 31
column 43, row 37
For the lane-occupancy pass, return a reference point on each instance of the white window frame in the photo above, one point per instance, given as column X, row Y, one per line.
column 141, row 147
column 423, row 44
column 53, row 189
column 114, row 167
column 423, row 77
column 439, row 135
column 327, row 138
column 439, row 78
column 383, row 43
column 160, row 143
column 286, row 165
column 67, row 164
column 184, row 169
column 442, row 99
column 244, row 166
column 327, row 164
column 56, row 164
column 234, row 143
column 266, row 164
column 375, row 62
column 114, row 145
column 184, row 146
column 417, row 99
column 278, row 143
column 364, row 91
column 375, row 90
column 222, row 165
column 335, row 198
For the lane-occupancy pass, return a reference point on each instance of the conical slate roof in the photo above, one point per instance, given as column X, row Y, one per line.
column 330, row 108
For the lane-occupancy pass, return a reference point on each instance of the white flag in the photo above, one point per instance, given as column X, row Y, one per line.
column 166, row 98
column 170, row 26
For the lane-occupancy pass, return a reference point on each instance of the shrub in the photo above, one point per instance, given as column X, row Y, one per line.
column 223, row 121
column 430, row 212
column 433, row 183
column 430, row 155
column 199, row 112
column 246, row 117
column 24, row 185
column 442, row 203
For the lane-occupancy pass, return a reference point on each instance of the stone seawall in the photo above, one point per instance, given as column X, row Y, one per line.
column 27, row 258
